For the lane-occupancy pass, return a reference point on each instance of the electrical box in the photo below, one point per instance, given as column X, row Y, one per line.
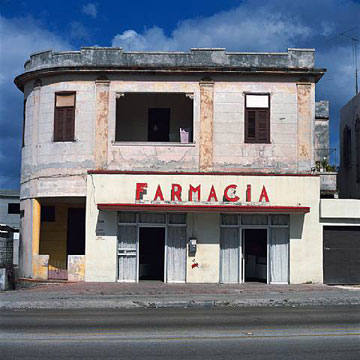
column 192, row 245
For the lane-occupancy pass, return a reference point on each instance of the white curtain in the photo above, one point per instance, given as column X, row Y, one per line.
column 279, row 255
column 229, row 255
column 127, row 253
column 176, row 253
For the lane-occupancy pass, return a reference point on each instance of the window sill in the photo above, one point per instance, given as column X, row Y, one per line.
column 148, row 143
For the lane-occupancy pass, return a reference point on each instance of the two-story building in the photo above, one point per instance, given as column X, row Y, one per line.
column 179, row 166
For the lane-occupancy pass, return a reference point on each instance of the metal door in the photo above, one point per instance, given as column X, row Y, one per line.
column 127, row 251
column 341, row 255
column 230, row 271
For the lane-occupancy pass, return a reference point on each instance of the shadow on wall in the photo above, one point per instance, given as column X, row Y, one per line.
column 297, row 226
column 106, row 224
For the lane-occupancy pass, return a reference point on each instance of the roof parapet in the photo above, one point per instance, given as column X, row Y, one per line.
column 196, row 57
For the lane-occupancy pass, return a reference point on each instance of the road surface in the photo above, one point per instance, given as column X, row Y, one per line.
column 193, row 333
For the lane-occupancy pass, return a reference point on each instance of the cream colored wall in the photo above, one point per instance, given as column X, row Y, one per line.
column 206, row 229
column 100, row 250
column 305, row 230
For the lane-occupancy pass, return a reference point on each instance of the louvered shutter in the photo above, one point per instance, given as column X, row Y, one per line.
column 263, row 125
column 69, row 124
column 59, row 124
column 251, row 125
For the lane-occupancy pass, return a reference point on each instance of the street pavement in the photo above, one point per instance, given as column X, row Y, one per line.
column 315, row 332
column 156, row 294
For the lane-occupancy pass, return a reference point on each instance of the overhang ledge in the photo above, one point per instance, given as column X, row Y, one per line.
column 204, row 208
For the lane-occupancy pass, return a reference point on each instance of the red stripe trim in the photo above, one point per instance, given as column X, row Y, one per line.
column 109, row 172
column 206, row 208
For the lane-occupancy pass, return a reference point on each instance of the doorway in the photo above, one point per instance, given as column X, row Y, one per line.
column 255, row 255
column 151, row 253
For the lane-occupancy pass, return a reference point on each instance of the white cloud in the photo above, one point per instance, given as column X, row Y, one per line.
column 19, row 38
column 90, row 9
column 271, row 26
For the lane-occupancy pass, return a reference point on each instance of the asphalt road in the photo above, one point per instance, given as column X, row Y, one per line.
column 193, row 333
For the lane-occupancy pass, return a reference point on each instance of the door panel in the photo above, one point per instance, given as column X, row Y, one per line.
column 279, row 255
column 176, row 254
column 127, row 250
column 229, row 255
column 341, row 257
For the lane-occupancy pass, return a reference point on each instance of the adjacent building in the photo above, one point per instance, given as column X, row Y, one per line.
column 349, row 172
column 191, row 166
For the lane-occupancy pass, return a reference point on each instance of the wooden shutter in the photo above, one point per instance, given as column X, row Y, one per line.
column 263, row 133
column 250, row 125
column 69, row 124
column 64, row 120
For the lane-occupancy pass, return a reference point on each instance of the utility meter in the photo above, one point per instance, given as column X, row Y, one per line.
column 192, row 245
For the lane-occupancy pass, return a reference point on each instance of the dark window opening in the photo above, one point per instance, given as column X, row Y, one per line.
column 13, row 208
column 64, row 119
column 151, row 253
column 76, row 231
column 160, row 117
column 257, row 118
column 255, row 252
column 48, row 214
column 346, row 155
column 357, row 155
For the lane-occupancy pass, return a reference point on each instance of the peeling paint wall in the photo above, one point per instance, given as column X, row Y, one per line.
column 231, row 153
column 206, row 125
column 101, row 125
column 305, row 126
column 76, row 268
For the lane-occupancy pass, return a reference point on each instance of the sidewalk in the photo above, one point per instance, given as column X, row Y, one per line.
column 157, row 294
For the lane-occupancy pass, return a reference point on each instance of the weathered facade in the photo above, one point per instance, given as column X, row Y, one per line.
column 349, row 172
column 195, row 166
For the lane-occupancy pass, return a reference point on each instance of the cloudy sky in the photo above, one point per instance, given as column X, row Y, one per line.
column 237, row 25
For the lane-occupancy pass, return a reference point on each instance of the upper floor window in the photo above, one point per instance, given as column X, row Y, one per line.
column 257, row 118
column 346, row 147
column 64, row 120
column 154, row 117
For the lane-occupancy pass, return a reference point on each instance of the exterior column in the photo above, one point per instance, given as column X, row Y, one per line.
column 35, row 121
column 206, row 124
column 305, row 126
column 101, row 124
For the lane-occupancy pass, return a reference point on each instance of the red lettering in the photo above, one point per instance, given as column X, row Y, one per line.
column 226, row 193
column 176, row 192
column 193, row 190
column 159, row 194
column 212, row 194
column 140, row 190
column 248, row 193
column 264, row 195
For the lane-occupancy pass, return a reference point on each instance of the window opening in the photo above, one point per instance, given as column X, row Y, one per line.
column 13, row 208
column 257, row 118
column 64, row 120
column 154, row 117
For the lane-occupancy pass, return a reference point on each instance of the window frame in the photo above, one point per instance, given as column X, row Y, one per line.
column 23, row 124
column 64, row 139
column 145, row 142
column 256, row 140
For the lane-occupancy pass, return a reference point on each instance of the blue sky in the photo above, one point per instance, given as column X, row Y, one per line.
column 248, row 25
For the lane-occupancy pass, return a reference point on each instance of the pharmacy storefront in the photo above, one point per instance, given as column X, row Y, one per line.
column 203, row 228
